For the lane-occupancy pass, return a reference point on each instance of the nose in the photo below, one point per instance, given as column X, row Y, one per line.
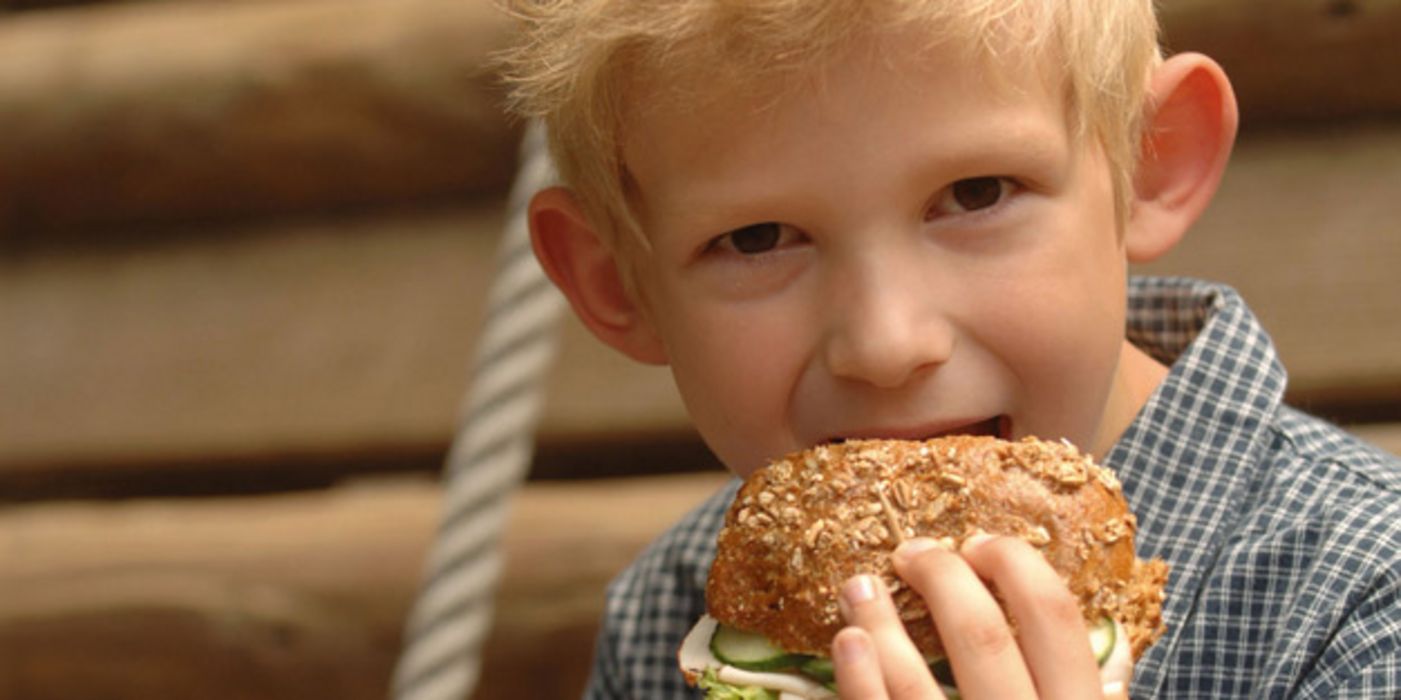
column 886, row 325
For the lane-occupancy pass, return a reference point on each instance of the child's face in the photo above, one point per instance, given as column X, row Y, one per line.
column 894, row 251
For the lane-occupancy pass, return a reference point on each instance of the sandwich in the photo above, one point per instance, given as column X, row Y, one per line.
column 806, row 523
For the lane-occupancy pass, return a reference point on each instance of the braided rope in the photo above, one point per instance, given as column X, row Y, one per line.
column 490, row 456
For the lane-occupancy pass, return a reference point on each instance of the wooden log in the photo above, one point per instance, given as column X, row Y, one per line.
column 300, row 596
column 565, row 542
column 242, row 598
column 272, row 344
column 175, row 111
column 1297, row 59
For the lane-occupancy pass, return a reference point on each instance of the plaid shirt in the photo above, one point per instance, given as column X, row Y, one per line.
column 1282, row 531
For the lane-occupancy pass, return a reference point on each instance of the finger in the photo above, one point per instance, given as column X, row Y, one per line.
column 1115, row 691
column 982, row 651
column 1051, row 629
column 858, row 670
column 866, row 604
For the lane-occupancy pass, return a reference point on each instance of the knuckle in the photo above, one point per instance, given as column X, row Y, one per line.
column 924, row 569
column 1059, row 607
column 984, row 637
column 1004, row 550
column 909, row 687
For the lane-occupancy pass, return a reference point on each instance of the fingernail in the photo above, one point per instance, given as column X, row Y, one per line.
column 975, row 540
column 859, row 589
column 849, row 648
column 909, row 549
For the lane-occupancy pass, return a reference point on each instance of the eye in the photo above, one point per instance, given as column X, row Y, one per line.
column 971, row 194
column 755, row 238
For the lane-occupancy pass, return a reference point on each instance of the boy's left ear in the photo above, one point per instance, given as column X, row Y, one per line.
column 588, row 272
column 1190, row 129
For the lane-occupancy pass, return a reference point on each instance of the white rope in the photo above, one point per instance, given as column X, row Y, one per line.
column 490, row 455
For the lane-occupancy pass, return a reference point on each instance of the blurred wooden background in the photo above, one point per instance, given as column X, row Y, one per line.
column 243, row 250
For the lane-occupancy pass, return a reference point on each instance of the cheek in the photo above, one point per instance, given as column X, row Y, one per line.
column 735, row 372
column 1061, row 332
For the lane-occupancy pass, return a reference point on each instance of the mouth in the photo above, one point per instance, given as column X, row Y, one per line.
column 999, row 426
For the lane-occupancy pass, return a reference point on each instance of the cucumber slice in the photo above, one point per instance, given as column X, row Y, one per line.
column 819, row 668
column 750, row 651
column 1102, row 638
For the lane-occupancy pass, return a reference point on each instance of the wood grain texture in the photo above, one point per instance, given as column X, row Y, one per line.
column 1297, row 60
column 281, row 342
column 174, row 111
column 302, row 595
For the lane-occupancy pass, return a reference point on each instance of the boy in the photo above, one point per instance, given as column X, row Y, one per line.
column 867, row 218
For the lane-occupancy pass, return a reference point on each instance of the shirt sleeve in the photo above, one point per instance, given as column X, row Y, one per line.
column 651, row 605
column 1362, row 656
column 1378, row 680
column 604, row 677
column 1365, row 659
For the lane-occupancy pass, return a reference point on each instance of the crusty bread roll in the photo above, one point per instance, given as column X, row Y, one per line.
column 804, row 524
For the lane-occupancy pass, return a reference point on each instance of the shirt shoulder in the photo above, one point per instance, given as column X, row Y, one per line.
column 1316, row 441
column 653, row 603
column 1317, row 475
column 1346, row 492
column 1324, row 535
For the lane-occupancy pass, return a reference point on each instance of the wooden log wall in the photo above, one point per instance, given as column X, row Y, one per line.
column 300, row 596
column 151, row 112
column 243, row 248
column 1293, row 60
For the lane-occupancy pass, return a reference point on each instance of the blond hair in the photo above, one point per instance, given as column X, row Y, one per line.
column 577, row 61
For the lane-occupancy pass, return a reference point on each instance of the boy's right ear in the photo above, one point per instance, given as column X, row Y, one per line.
column 1187, row 144
column 586, row 270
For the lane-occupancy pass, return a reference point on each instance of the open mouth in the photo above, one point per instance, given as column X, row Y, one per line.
column 997, row 426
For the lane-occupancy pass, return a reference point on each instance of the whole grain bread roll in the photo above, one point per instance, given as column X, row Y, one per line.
column 804, row 524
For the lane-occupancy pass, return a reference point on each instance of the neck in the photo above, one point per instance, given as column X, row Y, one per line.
column 1137, row 377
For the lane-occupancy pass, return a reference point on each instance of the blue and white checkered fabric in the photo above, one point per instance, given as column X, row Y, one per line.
column 1282, row 531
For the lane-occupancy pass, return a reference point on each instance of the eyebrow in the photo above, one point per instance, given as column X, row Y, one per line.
column 1012, row 146
column 1007, row 148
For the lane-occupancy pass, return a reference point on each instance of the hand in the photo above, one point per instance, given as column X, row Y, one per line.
column 1049, row 657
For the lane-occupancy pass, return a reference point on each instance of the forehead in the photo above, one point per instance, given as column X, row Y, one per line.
column 734, row 136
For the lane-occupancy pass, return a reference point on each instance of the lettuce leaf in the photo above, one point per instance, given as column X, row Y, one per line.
column 716, row 689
